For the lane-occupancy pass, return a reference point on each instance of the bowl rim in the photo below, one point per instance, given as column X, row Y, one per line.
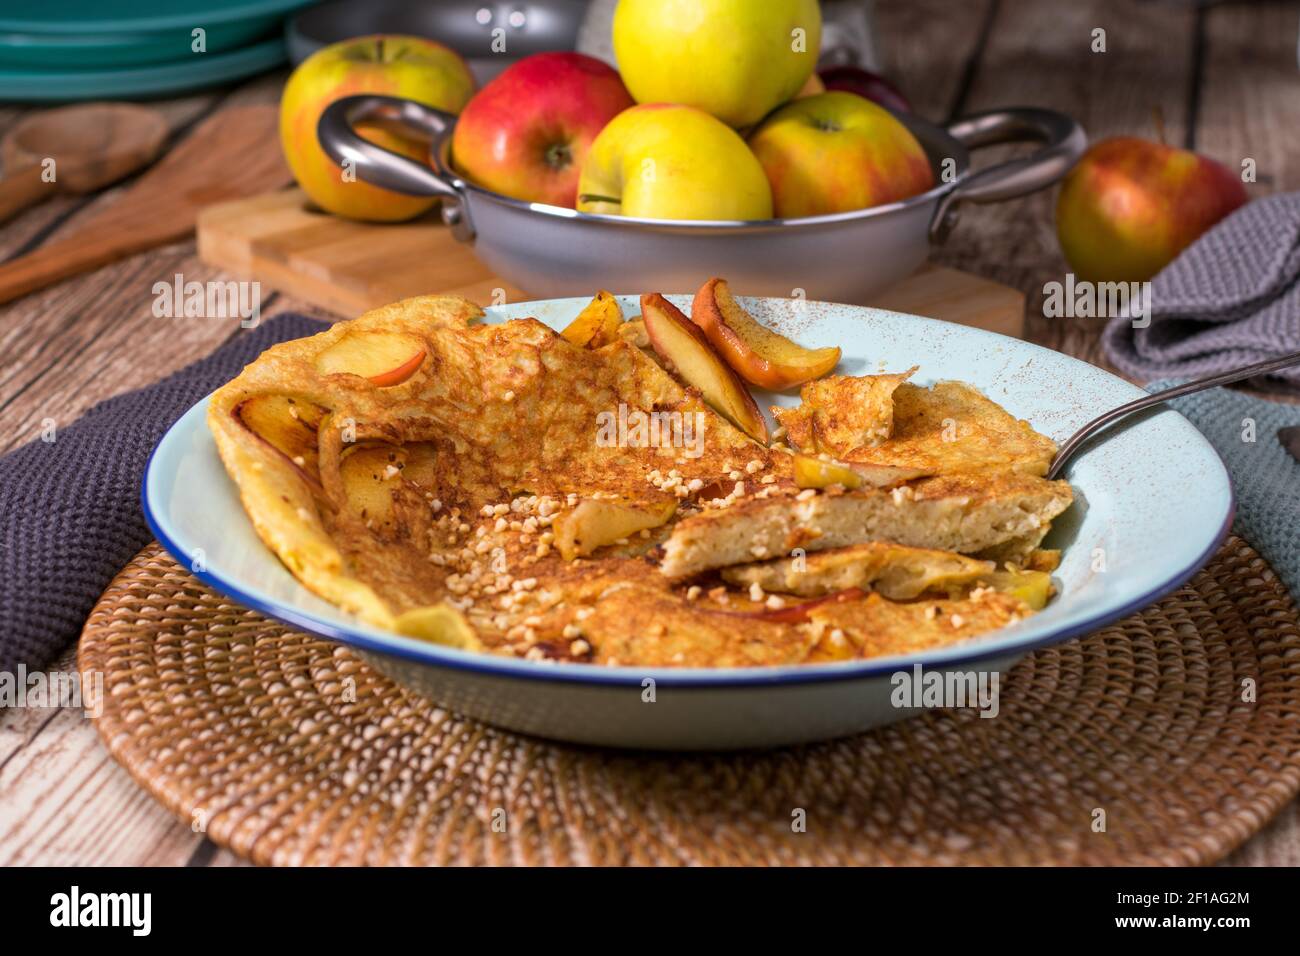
column 488, row 666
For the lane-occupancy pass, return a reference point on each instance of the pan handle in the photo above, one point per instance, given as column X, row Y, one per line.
column 1063, row 143
column 383, row 167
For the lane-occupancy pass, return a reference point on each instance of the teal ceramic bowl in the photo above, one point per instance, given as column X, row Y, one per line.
column 61, row 52
column 140, row 82
column 97, row 49
column 1153, row 504
column 85, row 17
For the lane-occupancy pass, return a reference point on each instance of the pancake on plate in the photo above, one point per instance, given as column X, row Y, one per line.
column 575, row 496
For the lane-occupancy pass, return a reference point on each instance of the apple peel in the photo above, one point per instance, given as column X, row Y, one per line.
column 687, row 351
column 383, row 358
column 760, row 355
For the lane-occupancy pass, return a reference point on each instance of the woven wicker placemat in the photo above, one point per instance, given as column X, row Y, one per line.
column 1168, row 738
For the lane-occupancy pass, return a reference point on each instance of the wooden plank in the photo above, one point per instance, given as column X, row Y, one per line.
column 348, row 267
column 66, row 347
column 954, row 296
column 229, row 155
column 1278, row 844
column 927, row 48
column 64, row 801
column 1249, row 107
column 23, row 232
column 1039, row 54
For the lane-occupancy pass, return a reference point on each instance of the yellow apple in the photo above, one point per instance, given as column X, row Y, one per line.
column 659, row 161
column 835, row 152
column 409, row 67
column 736, row 59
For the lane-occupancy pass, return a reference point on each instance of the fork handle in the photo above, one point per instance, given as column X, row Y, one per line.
column 1187, row 388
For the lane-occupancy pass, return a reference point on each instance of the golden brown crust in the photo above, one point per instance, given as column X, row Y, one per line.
column 840, row 414
column 435, row 505
column 876, row 627
column 949, row 428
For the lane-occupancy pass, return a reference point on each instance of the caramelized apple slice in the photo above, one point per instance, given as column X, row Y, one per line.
column 385, row 358
column 287, row 425
column 811, row 472
column 598, row 522
column 439, row 624
column 597, row 324
column 370, row 474
column 762, row 357
column 1032, row 587
column 424, row 466
column 681, row 343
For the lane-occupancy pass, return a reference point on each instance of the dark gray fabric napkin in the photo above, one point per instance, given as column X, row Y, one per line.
column 1230, row 299
column 1265, row 478
column 70, row 509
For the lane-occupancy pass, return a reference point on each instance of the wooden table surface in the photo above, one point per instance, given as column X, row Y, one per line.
column 1225, row 79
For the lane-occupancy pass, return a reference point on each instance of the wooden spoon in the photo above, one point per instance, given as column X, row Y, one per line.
column 91, row 145
column 234, row 154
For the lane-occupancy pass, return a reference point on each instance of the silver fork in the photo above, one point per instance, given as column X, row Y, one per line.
column 1069, row 449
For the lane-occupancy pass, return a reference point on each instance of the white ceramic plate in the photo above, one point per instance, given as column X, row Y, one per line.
column 1153, row 504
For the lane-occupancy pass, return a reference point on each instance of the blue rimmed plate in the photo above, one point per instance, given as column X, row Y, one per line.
column 1153, row 504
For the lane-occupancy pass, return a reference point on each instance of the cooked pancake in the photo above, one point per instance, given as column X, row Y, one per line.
column 897, row 572
column 877, row 627
column 840, row 414
column 965, row 513
column 501, row 489
column 949, row 428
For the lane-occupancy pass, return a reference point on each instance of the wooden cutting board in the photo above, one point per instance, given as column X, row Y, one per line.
column 349, row 267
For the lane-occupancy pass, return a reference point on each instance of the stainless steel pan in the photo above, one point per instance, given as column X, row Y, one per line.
column 846, row 257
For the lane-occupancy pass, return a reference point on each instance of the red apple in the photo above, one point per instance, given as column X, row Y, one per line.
column 872, row 86
column 527, row 132
column 1131, row 205
column 835, row 152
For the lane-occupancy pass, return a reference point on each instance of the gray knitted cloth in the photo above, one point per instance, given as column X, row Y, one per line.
column 1230, row 299
column 1266, row 479
column 70, row 509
